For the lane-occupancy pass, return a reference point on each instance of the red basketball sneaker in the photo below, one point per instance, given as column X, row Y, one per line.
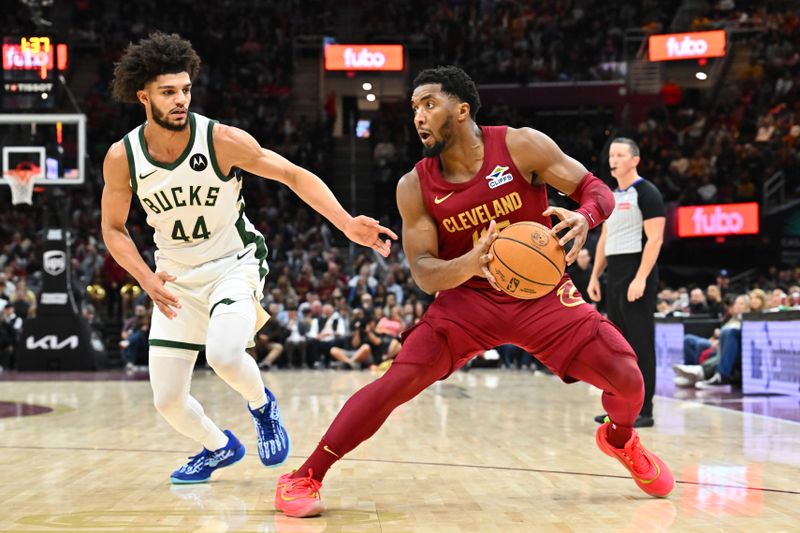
column 649, row 472
column 299, row 497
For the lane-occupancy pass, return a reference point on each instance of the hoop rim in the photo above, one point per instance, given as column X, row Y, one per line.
column 20, row 176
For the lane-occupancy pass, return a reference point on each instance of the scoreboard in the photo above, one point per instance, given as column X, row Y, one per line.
column 31, row 66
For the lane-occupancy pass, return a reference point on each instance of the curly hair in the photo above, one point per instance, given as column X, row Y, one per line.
column 159, row 53
column 455, row 82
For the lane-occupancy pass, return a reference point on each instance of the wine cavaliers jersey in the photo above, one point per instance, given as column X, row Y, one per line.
column 498, row 191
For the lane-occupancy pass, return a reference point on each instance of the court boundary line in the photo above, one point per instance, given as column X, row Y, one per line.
column 729, row 409
column 428, row 463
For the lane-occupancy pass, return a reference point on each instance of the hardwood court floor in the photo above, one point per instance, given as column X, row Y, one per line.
column 486, row 450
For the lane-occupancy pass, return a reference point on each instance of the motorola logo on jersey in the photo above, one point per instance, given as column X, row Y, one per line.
column 55, row 262
column 198, row 162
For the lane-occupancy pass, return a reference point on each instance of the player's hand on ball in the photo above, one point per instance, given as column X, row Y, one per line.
column 164, row 300
column 594, row 290
column 578, row 230
column 367, row 232
column 482, row 249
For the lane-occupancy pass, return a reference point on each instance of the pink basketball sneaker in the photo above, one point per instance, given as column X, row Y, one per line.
column 649, row 472
column 299, row 497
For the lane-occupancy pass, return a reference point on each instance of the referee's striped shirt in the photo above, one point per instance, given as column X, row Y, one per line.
column 625, row 227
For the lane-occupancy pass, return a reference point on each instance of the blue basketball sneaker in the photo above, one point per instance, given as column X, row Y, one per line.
column 200, row 466
column 273, row 441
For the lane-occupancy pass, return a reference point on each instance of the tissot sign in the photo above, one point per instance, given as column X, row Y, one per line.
column 364, row 57
column 695, row 45
column 718, row 219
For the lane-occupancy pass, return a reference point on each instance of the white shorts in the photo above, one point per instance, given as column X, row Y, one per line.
column 203, row 289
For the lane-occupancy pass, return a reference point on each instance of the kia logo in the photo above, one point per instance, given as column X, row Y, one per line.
column 363, row 59
column 51, row 342
column 688, row 47
column 717, row 222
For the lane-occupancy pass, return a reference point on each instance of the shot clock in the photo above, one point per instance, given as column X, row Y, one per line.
column 31, row 65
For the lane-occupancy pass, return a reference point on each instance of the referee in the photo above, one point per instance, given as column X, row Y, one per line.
column 629, row 245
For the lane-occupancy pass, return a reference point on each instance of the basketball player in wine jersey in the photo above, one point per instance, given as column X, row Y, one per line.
column 210, row 260
column 472, row 181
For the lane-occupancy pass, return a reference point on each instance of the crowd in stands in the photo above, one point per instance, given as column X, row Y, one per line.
column 505, row 41
column 245, row 78
column 332, row 310
column 698, row 152
column 698, row 148
column 715, row 362
column 16, row 301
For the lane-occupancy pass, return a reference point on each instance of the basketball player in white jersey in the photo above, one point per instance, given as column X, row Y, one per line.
column 210, row 260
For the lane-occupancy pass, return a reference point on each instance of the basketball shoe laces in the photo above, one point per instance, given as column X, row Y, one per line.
column 270, row 428
column 636, row 456
column 302, row 487
column 196, row 462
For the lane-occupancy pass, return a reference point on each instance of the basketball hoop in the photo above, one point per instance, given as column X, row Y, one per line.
column 20, row 180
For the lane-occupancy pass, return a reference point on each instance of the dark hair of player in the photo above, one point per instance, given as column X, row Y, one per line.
column 455, row 82
column 159, row 53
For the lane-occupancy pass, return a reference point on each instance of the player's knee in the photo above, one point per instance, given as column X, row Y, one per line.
column 168, row 404
column 623, row 370
column 224, row 355
column 629, row 381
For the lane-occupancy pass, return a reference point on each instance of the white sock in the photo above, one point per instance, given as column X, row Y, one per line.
column 261, row 402
column 170, row 379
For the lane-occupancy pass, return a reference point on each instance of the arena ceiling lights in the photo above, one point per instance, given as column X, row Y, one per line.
column 369, row 57
column 694, row 45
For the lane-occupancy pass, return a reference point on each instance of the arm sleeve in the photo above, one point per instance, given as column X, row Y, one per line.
column 595, row 198
column 651, row 203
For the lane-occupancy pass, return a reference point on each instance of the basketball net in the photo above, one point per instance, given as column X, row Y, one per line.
column 20, row 180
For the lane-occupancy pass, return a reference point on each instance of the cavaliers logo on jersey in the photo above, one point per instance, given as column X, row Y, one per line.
column 498, row 177
column 569, row 296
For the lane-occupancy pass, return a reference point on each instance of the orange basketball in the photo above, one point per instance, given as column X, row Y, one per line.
column 528, row 262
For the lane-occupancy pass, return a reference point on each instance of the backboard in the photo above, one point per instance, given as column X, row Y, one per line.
column 53, row 144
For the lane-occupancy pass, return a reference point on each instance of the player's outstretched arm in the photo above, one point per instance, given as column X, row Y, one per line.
column 421, row 244
column 237, row 148
column 535, row 153
column 115, row 207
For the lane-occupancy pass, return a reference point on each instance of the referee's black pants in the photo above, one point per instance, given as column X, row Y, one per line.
column 634, row 319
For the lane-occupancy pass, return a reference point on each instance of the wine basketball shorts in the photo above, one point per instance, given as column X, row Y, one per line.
column 464, row 322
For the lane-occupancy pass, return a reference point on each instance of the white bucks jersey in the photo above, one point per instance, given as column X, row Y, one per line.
column 196, row 211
